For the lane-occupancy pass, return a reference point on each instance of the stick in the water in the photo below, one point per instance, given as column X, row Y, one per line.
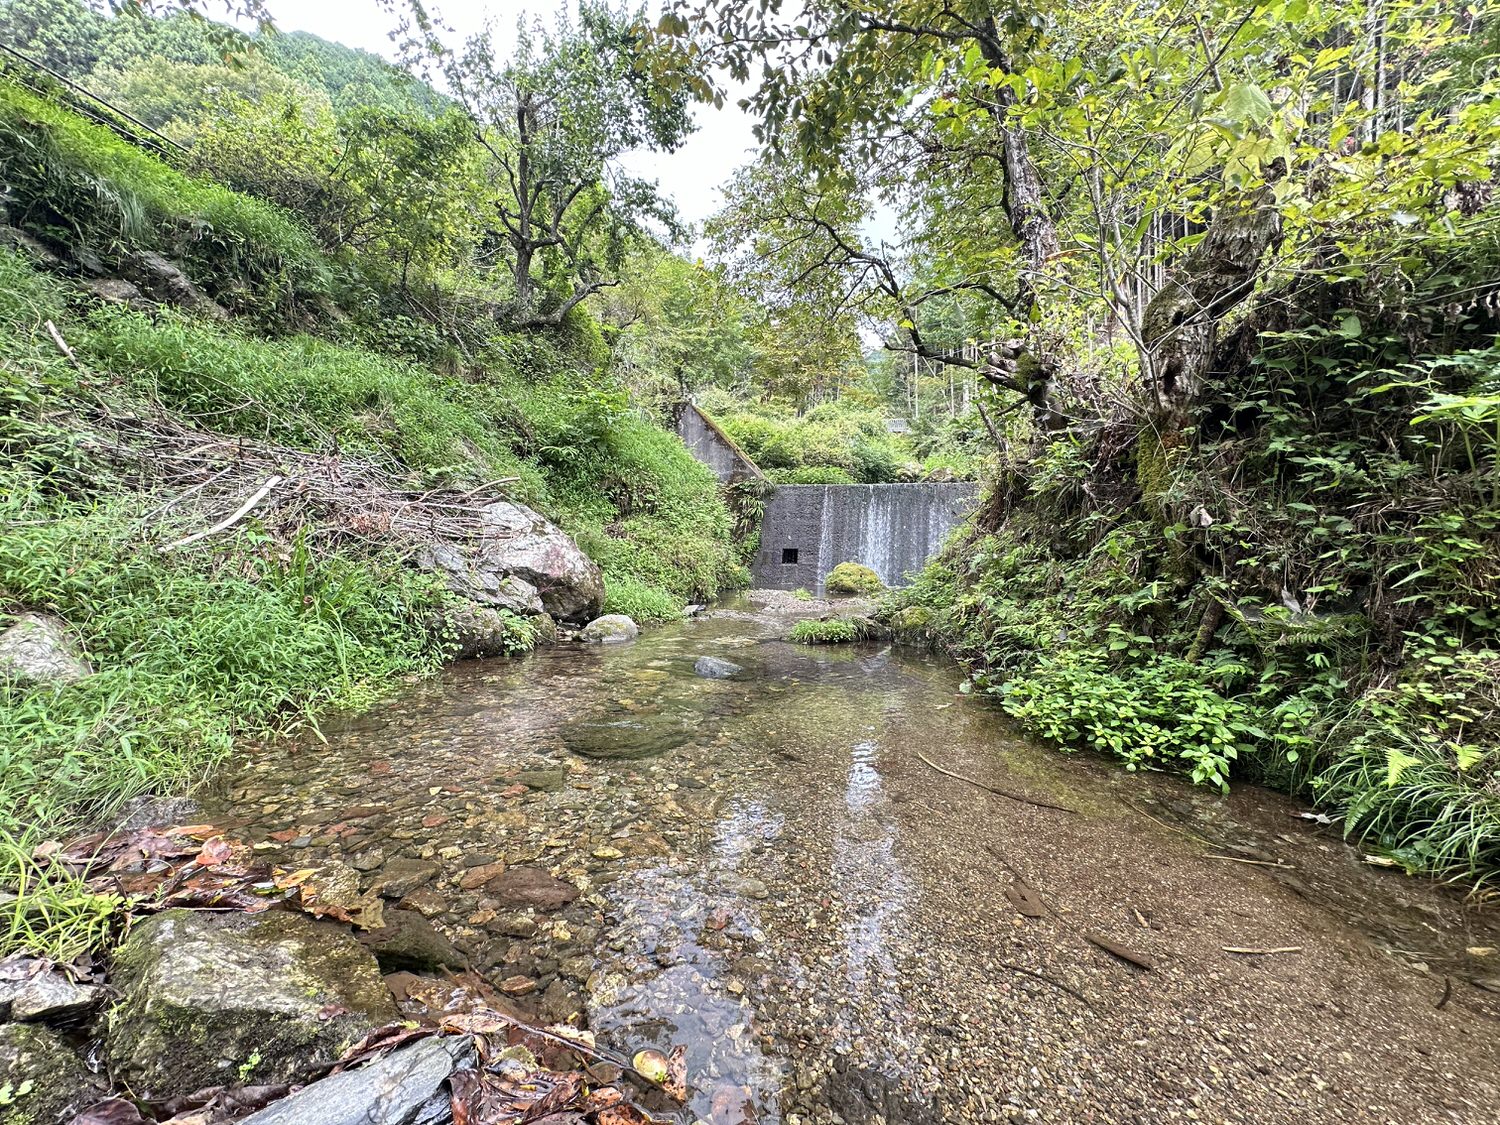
column 992, row 789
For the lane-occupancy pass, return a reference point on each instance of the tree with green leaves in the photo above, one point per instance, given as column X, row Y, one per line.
column 555, row 119
column 1155, row 167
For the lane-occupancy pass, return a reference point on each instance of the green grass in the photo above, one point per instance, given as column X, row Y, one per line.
column 190, row 651
column 829, row 631
column 53, row 911
column 78, row 184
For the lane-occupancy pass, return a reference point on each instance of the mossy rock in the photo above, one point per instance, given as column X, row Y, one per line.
column 611, row 629
column 914, row 625
column 41, row 1079
column 853, row 579
column 215, row 999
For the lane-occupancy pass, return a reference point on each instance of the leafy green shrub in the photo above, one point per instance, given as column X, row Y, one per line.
column 834, row 443
column 830, row 631
column 1161, row 713
column 855, row 579
column 811, row 474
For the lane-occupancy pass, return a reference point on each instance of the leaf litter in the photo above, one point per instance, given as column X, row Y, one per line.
column 517, row 1074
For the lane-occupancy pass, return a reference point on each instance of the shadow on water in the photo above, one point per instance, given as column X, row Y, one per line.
column 771, row 877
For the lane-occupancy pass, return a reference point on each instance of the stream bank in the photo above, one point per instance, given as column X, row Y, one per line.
column 760, row 867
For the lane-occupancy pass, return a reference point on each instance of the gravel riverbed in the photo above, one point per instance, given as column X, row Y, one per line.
column 761, row 867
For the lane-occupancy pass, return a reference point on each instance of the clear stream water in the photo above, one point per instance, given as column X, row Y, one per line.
column 771, row 876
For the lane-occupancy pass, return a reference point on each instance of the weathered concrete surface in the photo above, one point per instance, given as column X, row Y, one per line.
column 711, row 446
column 891, row 528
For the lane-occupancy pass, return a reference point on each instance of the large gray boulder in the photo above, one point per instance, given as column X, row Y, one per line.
column 37, row 649
column 542, row 561
column 405, row 1087
column 43, row 1080
column 212, row 999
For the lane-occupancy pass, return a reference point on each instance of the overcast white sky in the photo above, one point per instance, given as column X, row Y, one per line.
column 690, row 175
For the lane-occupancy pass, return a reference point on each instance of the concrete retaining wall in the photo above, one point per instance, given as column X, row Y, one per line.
column 891, row 528
column 708, row 444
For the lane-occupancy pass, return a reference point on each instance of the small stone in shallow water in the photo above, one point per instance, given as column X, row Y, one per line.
column 533, row 887
column 713, row 668
column 754, row 888
column 409, row 941
column 476, row 877
column 546, row 781
column 425, row 902
column 517, row 986
column 612, row 628
column 400, row 877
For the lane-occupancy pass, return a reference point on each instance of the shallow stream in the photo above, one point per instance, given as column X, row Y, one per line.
column 770, row 874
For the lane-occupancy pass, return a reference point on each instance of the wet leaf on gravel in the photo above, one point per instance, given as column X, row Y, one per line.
column 1025, row 900
column 676, row 1082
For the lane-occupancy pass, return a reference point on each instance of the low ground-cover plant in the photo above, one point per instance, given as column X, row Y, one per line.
column 830, row 631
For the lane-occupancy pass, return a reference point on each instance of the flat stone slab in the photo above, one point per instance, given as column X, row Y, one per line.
column 211, row 999
column 405, row 1087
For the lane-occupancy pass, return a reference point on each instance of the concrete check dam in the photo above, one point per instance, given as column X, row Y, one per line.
column 808, row 529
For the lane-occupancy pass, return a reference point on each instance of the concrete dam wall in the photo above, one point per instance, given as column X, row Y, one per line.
column 711, row 445
column 892, row 528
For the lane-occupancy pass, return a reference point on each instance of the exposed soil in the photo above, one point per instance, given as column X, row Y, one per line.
column 770, row 874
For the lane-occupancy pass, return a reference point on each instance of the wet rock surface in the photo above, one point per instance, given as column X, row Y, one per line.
column 39, row 649
column 611, row 629
column 716, row 668
column 37, row 993
column 773, row 878
column 405, row 1087
column 208, row 999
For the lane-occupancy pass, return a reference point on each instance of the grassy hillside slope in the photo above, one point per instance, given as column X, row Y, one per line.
column 252, row 632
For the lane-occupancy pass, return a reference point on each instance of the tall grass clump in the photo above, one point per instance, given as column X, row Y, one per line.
column 307, row 393
column 79, row 186
column 189, row 652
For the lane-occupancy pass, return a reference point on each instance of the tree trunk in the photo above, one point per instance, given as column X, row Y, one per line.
column 1030, row 221
column 1180, row 326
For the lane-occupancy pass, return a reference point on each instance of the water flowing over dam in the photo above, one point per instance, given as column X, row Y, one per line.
column 893, row 529
column 808, row 529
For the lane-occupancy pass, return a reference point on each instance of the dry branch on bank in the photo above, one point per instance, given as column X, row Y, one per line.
column 208, row 483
